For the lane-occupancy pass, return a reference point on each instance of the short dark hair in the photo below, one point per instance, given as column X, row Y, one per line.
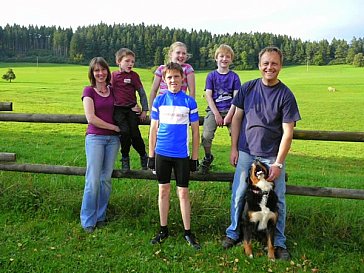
column 172, row 66
column 101, row 62
column 271, row 49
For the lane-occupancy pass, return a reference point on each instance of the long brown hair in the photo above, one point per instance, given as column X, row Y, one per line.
column 101, row 62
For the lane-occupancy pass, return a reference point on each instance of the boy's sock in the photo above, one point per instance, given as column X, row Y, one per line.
column 161, row 235
column 187, row 232
column 208, row 155
column 164, row 229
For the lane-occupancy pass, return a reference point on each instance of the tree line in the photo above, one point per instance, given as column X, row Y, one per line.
column 151, row 43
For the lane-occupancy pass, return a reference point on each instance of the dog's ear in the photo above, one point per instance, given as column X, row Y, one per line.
column 252, row 174
column 247, row 180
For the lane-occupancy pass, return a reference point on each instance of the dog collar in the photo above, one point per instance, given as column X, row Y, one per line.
column 257, row 190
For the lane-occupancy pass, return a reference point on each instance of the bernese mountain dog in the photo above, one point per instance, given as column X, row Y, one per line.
column 260, row 213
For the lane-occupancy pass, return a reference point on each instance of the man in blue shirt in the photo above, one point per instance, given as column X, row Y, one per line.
column 172, row 114
column 262, row 128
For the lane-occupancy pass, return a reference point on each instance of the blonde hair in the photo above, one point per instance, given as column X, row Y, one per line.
column 226, row 49
column 174, row 46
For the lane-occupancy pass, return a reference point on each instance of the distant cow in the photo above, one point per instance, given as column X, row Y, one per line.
column 331, row 89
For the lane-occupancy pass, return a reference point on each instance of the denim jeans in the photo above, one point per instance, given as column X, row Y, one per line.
column 238, row 194
column 101, row 152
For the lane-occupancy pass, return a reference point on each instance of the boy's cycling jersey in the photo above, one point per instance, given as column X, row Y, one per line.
column 175, row 112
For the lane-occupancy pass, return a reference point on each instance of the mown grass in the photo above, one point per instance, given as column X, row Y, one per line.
column 39, row 219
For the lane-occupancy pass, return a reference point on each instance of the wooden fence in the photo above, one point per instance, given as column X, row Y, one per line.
column 6, row 159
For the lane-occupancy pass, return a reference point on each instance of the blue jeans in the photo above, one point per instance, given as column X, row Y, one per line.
column 101, row 152
column 238, row 194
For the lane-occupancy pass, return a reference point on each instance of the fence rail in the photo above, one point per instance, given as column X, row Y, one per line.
column 298, row 134
column 215, row 177
column 147, row 175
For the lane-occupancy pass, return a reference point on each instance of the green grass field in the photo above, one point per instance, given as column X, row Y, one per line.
column 39, row 214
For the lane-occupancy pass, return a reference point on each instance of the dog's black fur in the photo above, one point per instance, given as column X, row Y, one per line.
column 260, row 210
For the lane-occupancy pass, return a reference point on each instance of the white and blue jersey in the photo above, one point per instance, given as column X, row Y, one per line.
column 175, row 112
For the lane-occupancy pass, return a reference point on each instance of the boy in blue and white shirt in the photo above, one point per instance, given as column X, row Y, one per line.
column 172, row 114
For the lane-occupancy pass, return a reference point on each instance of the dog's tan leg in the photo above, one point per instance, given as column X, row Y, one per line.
column 248, row 249
column 270, row 249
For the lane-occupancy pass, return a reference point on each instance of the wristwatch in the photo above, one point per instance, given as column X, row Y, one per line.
column 279, row 165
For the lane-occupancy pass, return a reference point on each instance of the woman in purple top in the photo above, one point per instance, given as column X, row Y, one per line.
column 101, row 145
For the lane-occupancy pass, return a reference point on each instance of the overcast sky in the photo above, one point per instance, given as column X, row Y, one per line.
column 311, row 20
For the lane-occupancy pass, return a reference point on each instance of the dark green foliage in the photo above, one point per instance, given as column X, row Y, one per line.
column 9, row 76
column 358, row 60
column 51, row 44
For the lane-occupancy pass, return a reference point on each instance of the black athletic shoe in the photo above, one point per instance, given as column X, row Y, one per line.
column 191, row 240
column 158, row 239
column 205, row 164
column 144, row 162
column 125, row 164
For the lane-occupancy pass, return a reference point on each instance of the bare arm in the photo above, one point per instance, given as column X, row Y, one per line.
column 153, row 136
column 286, row 142
column 89, row 108
column 191, row 83
column 210, row 101
column 235, row 132
column 284, row 147
column 228, row 118
column 195, row 139
column 153, row 92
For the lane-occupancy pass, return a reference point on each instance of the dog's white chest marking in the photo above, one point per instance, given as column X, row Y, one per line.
column 263, row 184
column 265, row 214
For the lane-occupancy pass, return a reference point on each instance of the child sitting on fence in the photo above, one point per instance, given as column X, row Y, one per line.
column 221, row 86
column 125, row 83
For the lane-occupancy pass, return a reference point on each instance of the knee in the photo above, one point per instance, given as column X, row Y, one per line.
column 164, row 192
column 206, row 142
column 183, row 194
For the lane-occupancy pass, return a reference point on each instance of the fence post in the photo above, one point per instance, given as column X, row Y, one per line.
column 6, row 106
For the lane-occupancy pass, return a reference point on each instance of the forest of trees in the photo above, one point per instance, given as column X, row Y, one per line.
column 150, row 44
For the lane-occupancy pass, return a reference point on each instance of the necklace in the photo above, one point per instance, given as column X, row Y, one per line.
column 102, row 90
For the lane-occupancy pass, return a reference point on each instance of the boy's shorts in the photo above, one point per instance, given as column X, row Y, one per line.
column 181, row 167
